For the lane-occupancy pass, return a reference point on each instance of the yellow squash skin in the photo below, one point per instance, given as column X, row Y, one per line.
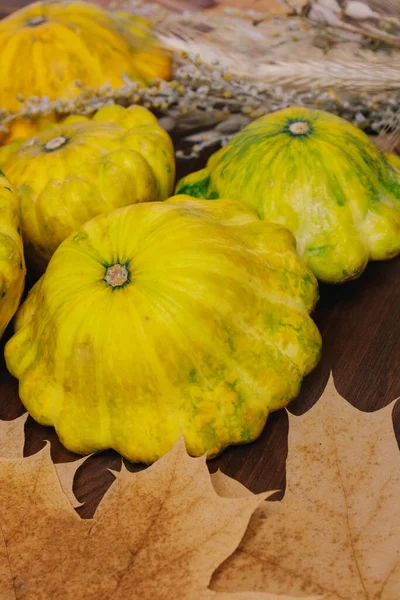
column 49, row 47
column 164, row 319
column 22, row 129
column 9, row 150
column 72, row 172
column 12, row 265
column 320, row 177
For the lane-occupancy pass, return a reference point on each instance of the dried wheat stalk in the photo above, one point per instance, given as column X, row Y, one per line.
column 251, row 60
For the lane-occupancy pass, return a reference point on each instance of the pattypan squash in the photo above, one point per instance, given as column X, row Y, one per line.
column 165, row 319
column 51, row 49
column 320, row 177
column 12, row 264
column 74, row 171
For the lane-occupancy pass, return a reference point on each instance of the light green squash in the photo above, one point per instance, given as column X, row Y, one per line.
column 320, row 177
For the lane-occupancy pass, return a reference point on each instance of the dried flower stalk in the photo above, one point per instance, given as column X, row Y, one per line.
column 217, row 90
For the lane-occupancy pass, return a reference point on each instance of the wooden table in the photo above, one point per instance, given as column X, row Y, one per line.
column 360, row 325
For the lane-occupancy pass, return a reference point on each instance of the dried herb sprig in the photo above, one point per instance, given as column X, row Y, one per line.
column 207, row 102
column 202, row 96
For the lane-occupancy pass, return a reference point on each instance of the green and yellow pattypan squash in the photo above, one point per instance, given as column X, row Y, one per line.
column 12, row 264
column 320, row 177
column 164, row 319
column 71, row 172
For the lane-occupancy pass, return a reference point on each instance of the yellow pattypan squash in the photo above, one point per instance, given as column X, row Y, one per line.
column 150, row 64
column 72, row 172
column 8, row 151
column 52, row 48
column 320, row 177
column 23, row 129
column 12, row 265
column 164, row 319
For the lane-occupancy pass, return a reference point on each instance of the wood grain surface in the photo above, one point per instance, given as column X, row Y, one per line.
column 360, row 325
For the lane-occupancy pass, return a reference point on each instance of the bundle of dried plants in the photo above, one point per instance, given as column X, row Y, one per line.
column 232, row 66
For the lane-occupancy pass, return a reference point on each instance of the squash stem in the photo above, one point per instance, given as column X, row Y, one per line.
column 117, row 275
column 299, row 128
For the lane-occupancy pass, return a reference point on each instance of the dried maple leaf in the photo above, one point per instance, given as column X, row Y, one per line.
column 337, row 530
column 12, row 439
column 157, row 534
column 66, row 474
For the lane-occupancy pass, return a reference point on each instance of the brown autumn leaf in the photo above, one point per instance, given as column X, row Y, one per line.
column 337, row 531
column 12, row 439
column 66, row 473
column 157, row 534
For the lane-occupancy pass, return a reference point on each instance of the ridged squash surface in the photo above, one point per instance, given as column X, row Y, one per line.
column 74, row 171
column 320, row 177
column 165, row 319
column 12, row 264
column 51, row 49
